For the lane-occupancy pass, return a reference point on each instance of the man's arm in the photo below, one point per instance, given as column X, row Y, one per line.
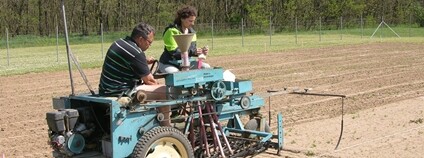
column 149, row 80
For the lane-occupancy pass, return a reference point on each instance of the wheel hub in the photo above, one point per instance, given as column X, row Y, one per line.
column 166, row 148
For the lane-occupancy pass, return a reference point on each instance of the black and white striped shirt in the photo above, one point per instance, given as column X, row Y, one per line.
column 125, row 64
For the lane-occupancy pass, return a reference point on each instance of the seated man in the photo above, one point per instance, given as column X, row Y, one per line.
column 126, row 63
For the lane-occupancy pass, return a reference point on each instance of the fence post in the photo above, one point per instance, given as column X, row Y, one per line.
column 362, row 26
column 212, row 35
column 295, row 30
column 382, row 27
column 410, row 24
column 320, row 29
column 242, row 32
column 7, row 47
column 270, row 30
column 57, row 43
column 341, row 28
column 101, row 34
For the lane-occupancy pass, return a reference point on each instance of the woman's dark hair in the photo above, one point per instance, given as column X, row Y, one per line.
column 184, row 12
column 142, row 29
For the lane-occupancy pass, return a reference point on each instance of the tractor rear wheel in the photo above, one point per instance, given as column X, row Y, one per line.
column 163, row 142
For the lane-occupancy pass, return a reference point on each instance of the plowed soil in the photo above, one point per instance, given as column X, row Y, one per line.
column 383, row 111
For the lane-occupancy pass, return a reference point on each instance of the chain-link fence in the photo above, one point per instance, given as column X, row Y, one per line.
column 18, row 55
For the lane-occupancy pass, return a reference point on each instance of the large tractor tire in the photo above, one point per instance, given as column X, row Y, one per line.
column 163, row 142
column 253, row 125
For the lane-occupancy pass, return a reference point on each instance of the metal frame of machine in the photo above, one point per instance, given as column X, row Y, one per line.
column 210, row 109
column 88, row 125
column 206, row 98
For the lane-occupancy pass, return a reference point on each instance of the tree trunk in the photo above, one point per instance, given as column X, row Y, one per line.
column 99, row 15
column 46, row 26
column 84, row 18
column 40, row 15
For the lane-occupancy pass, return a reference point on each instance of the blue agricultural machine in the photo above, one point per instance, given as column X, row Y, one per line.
column 214, row 117
column 208, row 120
column 211, row 126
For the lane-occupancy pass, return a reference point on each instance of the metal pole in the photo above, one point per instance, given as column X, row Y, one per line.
column 376, row 30
column 212, row 35
column 391, row 29
column 67, row 48
column 270, row 30
column 57, row 43
column 242, row 32
column 7, row 47
column 410, row 25
column 362, row 26
column 320, row 25
column 296, row 30
column 382, row 27
column 101, row 34
column 341, row 28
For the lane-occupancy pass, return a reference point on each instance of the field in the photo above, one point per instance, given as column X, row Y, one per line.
column 384, row 109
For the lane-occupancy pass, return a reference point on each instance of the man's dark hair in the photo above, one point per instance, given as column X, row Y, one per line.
column 184, row 12
column 142, row 30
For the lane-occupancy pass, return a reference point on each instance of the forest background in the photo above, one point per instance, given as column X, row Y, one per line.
column 89, row 17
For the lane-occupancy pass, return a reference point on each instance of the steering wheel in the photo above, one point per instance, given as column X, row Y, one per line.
column 154, row 69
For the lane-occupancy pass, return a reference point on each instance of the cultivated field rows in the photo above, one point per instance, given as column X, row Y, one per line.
column 383, row 83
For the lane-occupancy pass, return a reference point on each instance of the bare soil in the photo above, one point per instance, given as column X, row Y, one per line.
column 383, row 111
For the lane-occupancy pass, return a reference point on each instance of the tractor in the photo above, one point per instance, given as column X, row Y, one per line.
column 209, row 112
column 212, row 116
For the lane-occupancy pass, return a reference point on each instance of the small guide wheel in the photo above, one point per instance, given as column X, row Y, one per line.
column 245, row 102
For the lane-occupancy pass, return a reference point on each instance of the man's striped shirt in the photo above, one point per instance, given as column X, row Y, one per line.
column 125, row 64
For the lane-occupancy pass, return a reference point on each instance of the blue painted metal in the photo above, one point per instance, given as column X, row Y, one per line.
column 127, row 125
column 238, row 87
column 227, row 110
column 191, row 78
column 266, row 136
column 192, row 61
column 238, row 123
column 280, row 131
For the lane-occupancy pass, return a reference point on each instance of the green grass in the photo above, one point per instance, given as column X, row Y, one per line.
column 108, row 37
column 44, row 56
column 39, row 41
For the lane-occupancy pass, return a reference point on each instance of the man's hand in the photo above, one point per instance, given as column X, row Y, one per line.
column 149, row 80
column 150, row 60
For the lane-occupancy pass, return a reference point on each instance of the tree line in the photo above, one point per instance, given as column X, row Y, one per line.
column 85, row 17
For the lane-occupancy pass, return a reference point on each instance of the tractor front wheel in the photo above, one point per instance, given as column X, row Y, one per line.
column 163, row 142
